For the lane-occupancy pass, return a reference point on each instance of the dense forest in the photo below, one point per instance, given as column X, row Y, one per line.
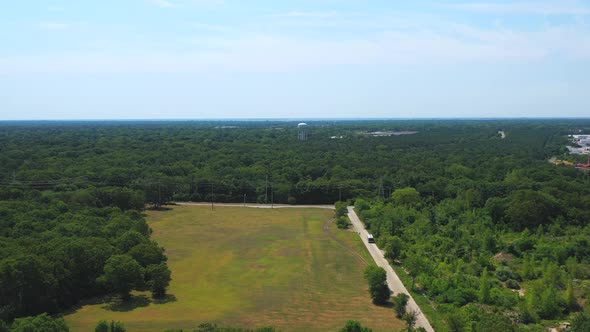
column 473, row 218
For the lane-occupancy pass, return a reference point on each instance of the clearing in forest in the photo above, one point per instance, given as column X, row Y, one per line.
column 251, row 267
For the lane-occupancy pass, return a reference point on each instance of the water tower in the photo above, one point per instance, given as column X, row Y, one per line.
column 302, row 131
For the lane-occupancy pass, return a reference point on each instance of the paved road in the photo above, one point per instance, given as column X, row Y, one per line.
column 393, row 280
column 260, row 206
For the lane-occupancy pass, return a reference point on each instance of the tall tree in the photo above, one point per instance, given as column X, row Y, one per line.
column 123, row 273
column 158, row 278
column 406, row 196
column 485, row 287
column 378, row 288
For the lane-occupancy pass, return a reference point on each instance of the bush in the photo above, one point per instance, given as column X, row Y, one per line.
column 291, row 200
column 158, row 278
column 41, row 323
column 342, row 222
column 377, row 279
column 512, row 284
column 400, row 302
column 341, row 209
column 354, row 326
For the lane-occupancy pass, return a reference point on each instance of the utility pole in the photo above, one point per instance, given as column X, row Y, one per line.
column 159, row 194
column 381, row 189
column 212, row 196
column 266, row 191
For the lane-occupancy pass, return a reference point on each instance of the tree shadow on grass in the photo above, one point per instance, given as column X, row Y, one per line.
column 90, row 301
column 384, row 305
column 160, row 208
column 166, row 299
column 136, row 301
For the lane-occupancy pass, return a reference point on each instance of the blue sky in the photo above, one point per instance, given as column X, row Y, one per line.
column 135, row 59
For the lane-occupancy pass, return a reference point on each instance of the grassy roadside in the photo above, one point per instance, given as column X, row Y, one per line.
column 435, row 318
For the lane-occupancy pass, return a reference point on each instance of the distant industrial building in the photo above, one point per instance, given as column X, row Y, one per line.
column 302, row 131
column 582, row 142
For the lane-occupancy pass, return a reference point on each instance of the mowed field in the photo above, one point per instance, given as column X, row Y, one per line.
column 251, row 267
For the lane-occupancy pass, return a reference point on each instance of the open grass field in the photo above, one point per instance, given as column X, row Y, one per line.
column 251, row 267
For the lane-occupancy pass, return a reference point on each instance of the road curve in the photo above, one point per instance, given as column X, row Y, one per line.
column 259, row 206
column 393, row 280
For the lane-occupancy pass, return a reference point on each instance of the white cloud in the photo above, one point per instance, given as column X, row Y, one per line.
column 207, row 27
column 310, row 14
column 163, row 3
column 53, row 26
column 537, row 7
column 276, row 53
column 383, row 40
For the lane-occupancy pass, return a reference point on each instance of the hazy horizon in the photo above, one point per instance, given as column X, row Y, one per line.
column 211, row 59
column 298, row 119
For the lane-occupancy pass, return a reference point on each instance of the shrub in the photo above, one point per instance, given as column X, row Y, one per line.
column 400, row 302
column 342, row 222
column 377, row 279
column 354, row 326
column 512, row 284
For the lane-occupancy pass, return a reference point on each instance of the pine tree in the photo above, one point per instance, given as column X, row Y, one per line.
column 484, row 287
column 570, row 297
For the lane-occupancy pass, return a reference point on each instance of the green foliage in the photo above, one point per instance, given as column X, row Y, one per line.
column 400, row 301
column 147, row 254
column 129, row 240
column 158, row 278
column 123, row 274
column 117, row 327
column 456, row 322
column 342, row 222
column 392, row 246
column 102, row 326
column 416, row 265
column 528, row 208
column 406, row 196
column 208, row 327
column 410, row 318
column 512, row 284
column 580, row 323
column 341, row 209
column 354, row 326
column 26, row 283
column 485, row 287
column 549, row 305
column 378, row 288
column 473, row 195
column 570, row 298
column 40, row 323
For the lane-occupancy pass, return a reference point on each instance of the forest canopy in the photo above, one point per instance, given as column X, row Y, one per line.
column 444, row 200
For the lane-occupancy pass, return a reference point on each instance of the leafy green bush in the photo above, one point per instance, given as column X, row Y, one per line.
column 342, row 222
